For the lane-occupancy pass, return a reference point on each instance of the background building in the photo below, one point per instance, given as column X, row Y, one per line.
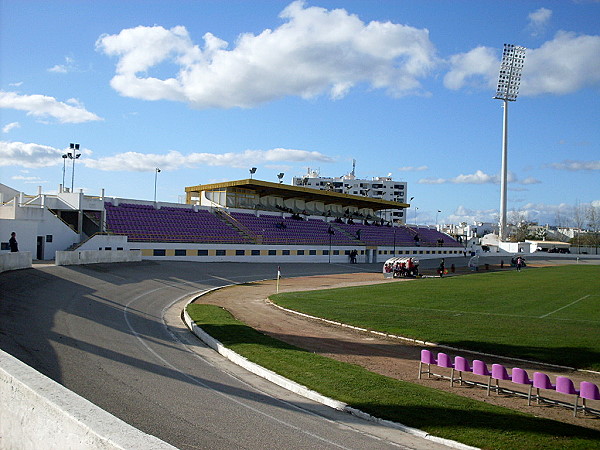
column 384, row 188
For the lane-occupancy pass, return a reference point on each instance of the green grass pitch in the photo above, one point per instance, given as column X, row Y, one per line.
column 546, row 314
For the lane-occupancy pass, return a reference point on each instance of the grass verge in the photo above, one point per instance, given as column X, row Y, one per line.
column 548, row 314
column 442, row 414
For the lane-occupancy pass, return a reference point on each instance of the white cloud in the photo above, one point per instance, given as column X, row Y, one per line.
column 538, row 20
column 413, row 168
column 314, row 51
column 576, row 165
column 69, row 66
column 567, row 63
column 477, row 66
column 28, row 155
column 10, row 126
column 28, row 180
column 464, row 214
column 530, row 180
column 140, row 162
column 35, row 155
column 43, row 106
column 479, row 177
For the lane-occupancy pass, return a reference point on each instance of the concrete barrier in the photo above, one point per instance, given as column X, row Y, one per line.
column 78, row 257
column 16, row 260
column 36, row 412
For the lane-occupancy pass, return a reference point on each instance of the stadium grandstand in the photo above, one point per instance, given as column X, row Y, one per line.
column 244, row 220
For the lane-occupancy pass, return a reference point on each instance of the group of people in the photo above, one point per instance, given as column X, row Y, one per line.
column 403, row 268
column 353, row 255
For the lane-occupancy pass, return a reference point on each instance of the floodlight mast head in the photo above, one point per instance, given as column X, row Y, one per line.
column 509, row 78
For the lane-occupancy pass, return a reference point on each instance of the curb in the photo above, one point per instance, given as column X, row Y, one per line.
column 298, row 388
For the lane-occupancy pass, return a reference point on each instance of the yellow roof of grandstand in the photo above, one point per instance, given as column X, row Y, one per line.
column 285, row 191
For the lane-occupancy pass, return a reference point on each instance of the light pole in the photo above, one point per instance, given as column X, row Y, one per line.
column 64, row 157
column 280, row 176
column 252, row 171
column 509, row 80
column 436, row 217
column 73, row 155
column 156, row 172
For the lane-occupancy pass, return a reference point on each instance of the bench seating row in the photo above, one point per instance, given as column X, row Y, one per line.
column 518, row 376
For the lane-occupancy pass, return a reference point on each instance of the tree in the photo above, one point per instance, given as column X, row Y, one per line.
column 593, row 220
column 579, row 221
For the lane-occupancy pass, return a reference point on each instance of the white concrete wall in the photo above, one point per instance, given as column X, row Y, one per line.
column 79, row 257
column 105, row 242
column 34, row 222
column 13, row 261
column 36, row 412
column 189, row 252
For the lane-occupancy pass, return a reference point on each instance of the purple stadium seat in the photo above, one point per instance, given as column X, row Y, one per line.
column 541, row 381
column 426, row 358
column 461, row 365
column 443, row 360
column 480, row 368
column 519, row 376
column 499, row 373
column 588, row 391
column 565, row 385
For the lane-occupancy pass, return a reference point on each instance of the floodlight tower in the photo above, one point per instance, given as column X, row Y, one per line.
column 509, row 81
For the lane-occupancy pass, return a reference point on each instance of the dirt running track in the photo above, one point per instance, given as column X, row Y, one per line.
column 387, row 356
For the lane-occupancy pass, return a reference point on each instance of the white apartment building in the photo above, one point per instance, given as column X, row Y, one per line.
column 384, row 188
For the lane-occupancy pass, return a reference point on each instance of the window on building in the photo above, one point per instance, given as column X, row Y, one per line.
column 180, row 252
column 285, row 252
column 203, row 252
column 240, row 252
column 272, row 252
column 300, row 252
column 255, row 253
column 220, row 253
column 312, row 252
column 159, row 252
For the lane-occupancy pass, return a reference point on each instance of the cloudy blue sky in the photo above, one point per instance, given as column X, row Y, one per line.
column 204, row 90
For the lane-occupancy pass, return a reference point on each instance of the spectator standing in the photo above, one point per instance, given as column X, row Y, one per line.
column 519, row 263
column 12, row 242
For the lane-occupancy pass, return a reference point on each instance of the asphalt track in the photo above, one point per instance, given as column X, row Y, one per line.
column 112, row 334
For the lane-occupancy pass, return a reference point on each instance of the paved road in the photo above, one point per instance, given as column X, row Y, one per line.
column 112, row 334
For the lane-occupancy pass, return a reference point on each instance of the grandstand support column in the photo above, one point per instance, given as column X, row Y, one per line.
column 504, row 174
column 103, row 215
column 80, row 216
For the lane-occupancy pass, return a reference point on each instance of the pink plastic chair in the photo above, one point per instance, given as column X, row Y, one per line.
column 480, row 368
column 541, row 381
column 565, row 385
column 588, row 391
column 519, row 376
column 426, row 358
column 461, row 365
column 443, row 360
column 499, row 372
